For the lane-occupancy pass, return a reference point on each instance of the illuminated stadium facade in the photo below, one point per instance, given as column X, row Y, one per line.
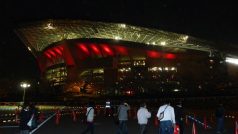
column 96, row 58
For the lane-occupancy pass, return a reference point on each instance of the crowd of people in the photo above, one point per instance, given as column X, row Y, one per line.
column 168, row 116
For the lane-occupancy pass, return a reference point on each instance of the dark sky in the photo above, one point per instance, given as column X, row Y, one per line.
column 211, row 21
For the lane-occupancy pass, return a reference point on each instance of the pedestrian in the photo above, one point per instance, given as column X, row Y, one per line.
column 123, row 110
column 74, row 115
column 166, row 116
column 220, row 118
column 34, row 112
column 179, row 117
column 89, row 119
column 25, row 116
column 17, row 112
column 142, row 115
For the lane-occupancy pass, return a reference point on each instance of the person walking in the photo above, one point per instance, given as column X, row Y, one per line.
column 25, row 116
column 142, row 115
column 220, row 119
column 179, row 117
column 90, row 119
column 123, row 118
column 34, row 111
column 166, row 116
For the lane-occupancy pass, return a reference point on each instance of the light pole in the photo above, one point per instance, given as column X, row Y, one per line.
column 24, row 85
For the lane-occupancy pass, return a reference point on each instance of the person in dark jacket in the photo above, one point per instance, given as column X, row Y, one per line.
column 220, row 118
column 25, row 116
column 34, row 112
column 179, row 116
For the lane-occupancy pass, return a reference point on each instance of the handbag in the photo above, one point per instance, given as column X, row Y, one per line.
column 30, row 122
column 161, row 115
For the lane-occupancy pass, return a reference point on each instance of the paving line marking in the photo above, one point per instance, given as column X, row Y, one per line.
column 8, row 126
column 42, row 124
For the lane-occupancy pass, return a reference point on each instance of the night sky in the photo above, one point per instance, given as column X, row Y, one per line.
column 211, row 21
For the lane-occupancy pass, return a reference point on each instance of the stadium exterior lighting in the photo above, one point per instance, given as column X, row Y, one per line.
column 185, row 38
column 232, row 60
column 118, row 38
column 49, row 26
column 163, row 43
column 123, row 25
column 24, row 85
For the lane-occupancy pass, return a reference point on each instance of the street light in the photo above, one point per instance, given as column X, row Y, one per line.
column 24, row 85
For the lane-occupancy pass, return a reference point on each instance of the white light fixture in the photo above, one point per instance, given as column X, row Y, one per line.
column 173, row 68
column 24, row 85
column 160, row 68
column 163, row 43
column 123, row 25
column 117, row 38
column 49, row 26
column 29, row 48
column 185, row 38
column 232, row 60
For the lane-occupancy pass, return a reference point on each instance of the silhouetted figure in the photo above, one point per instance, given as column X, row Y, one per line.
column 90, row 119
column 179, row 117
column 220, row 119
column 25, row 116
column 34, row 112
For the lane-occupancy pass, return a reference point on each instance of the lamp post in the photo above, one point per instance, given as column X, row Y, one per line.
column 24, row 85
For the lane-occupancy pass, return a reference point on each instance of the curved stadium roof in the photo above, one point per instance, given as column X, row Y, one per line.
column 39, row 35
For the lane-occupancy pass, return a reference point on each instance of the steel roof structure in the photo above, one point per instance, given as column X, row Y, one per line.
column 39, row 35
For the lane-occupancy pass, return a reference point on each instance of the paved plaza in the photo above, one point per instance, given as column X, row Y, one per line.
column 103, row 125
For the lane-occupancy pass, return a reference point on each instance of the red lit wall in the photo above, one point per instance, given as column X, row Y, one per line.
column 94, row 50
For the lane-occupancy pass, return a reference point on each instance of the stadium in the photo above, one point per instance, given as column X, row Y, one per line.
column 84, row 58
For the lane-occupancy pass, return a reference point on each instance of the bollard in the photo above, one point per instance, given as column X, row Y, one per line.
column 17, row 112
column 186, row 120
column 194, row 130
column 74, row 116
column 176, row 129
column 156, row 121
column 236, row 127
column 41, row 117
column 57, row 120
column 205, row 122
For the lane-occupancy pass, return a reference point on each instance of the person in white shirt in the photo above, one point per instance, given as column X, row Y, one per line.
column 142, row 115
column 90, row 119
column 166, row 116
